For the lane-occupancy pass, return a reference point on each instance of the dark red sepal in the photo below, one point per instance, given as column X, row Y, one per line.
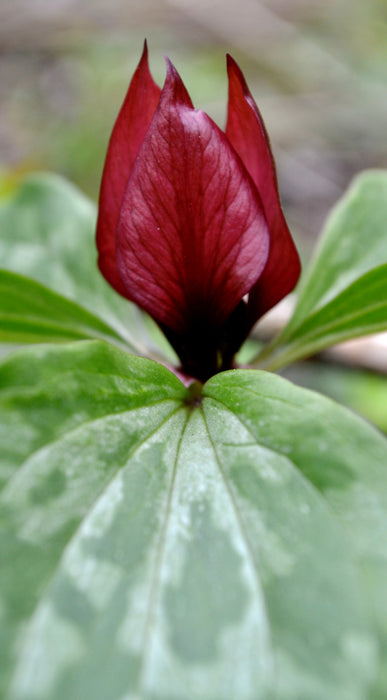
column 128, row 134
column 246, row 132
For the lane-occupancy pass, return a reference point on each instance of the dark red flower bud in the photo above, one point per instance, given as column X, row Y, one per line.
column 190, row 221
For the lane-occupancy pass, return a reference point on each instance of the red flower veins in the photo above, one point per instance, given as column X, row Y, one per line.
column 190, row 225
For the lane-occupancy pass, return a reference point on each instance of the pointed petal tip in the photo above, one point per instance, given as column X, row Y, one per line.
column 172, row 73
column 174, row 86
column 234, row 72
column 229, row 60
column 144, row 55
column 143, row 64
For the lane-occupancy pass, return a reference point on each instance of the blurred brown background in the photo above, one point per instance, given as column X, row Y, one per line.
column 317, row 68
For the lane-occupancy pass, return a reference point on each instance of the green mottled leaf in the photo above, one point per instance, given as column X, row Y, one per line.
column 48, row 233
column 31, row 313
column 162, row 547
column 359, row 310
column 344, row 293
column 342, row 458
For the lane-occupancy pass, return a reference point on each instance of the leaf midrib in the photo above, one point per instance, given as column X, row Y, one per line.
column 269, row 448
column 244, row 536
column 51, row 580
column 84, row 424
column 153, row 595
column 333, row 325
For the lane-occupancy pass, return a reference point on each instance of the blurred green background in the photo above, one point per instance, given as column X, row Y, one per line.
column 317, row 68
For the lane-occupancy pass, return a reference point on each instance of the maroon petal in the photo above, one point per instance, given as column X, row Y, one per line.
column 127, row 136
column 192, row 236
column 246, row 132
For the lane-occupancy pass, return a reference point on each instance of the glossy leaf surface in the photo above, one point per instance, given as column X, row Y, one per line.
column 159, row 547
column 48, row 233
column 32, row 313
column 344, row 294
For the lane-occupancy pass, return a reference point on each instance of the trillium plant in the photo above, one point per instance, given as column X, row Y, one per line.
column 180, row 522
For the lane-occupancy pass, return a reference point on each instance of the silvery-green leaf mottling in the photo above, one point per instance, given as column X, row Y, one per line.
column 48, row 234
column 344, row 291
column 164, row 550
